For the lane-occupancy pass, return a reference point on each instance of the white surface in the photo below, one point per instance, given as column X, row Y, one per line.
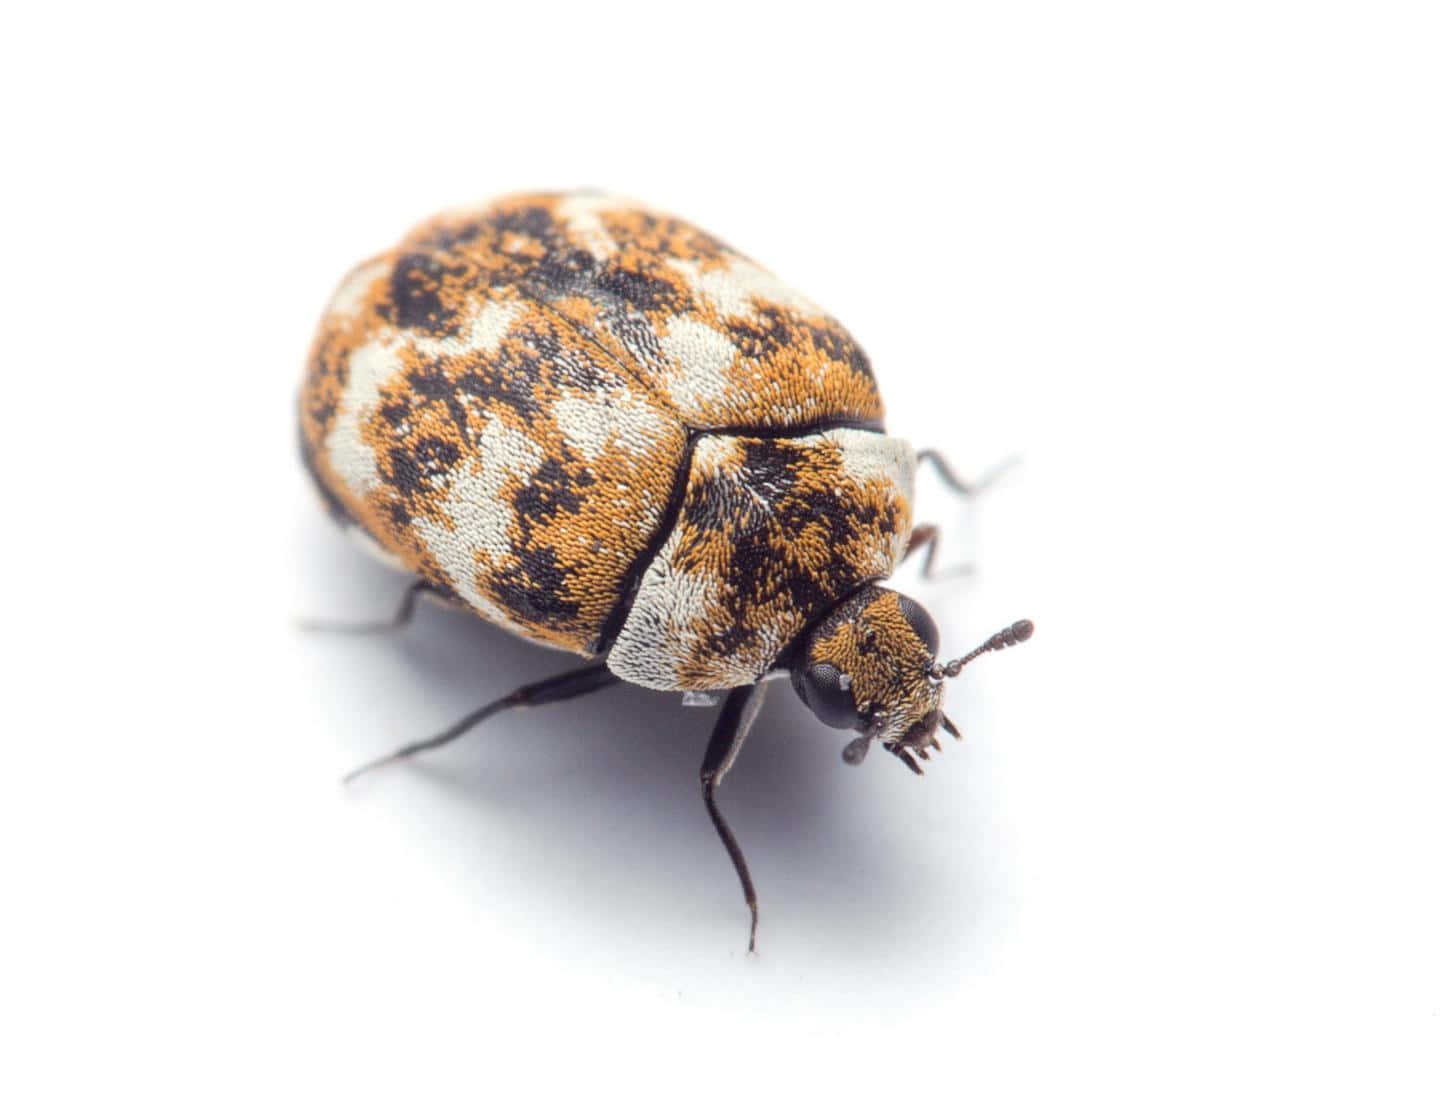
column 1183, row 260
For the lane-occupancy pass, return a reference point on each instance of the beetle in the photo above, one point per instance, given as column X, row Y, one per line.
column 606, row 431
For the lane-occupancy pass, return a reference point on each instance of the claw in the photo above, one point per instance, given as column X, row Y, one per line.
column 949, row 726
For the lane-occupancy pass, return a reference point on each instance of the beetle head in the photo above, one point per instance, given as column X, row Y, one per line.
column 870, row 665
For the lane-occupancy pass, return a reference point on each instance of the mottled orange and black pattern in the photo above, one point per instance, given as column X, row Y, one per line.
column 514, row 464
column 773, row 532
column 872, row 640
column 716, row 337
column 506, row 401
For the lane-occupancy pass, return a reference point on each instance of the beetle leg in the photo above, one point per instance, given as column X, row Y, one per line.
column 403, row 614
column 925, row 535
column 736, row 717
column 954, row 483
column 570, row 684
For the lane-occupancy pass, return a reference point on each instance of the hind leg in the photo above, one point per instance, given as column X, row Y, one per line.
column 562, row 687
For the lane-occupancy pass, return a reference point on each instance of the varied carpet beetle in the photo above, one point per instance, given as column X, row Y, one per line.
column 606, row 431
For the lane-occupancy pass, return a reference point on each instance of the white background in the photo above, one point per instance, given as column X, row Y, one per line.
column 1182, row 257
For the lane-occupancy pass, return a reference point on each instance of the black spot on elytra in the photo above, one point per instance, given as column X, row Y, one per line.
column 415, row 301
column 839, row 346
column 436, row 456
column 508, row 382
column 446, row 238
column 432, row 384
column 769, row 329
column 410, row 470
column 543, row 357
column 395, row 413
column 403, row 472
column 639, row 289
column 636, row 334
column 560, row 273
column 536, row 591
column 532, row 221
column 764, row 332
column 675, row 238
column 549, row 490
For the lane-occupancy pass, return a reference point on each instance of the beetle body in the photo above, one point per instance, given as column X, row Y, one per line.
column 608, row 432
column 604, row 430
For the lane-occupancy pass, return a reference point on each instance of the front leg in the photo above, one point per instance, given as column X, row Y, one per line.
column 736, row 717
column 951, row 480
column 924, row 536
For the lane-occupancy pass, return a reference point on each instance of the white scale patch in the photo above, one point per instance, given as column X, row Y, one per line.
column 734, row 287
column 661, row 628
column 581, row 216
column 875, row 458
column 591, row 422
column 374, row 363
column 352, row 295
column 480, row 516
column 701, row 360
column 487, row 328
column 370, row 367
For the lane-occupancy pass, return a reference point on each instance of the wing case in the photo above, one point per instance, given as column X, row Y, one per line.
column 488, row 445
column 714, row 335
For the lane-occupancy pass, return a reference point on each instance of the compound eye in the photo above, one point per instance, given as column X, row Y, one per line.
column 920, row 620
column 826, row 691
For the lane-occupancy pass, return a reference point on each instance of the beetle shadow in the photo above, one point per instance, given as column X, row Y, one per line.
column 587, row 814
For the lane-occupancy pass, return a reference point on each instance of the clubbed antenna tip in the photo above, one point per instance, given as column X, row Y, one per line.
column 1017, row 632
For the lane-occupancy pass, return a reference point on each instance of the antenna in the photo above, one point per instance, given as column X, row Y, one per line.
column 1017, row 632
